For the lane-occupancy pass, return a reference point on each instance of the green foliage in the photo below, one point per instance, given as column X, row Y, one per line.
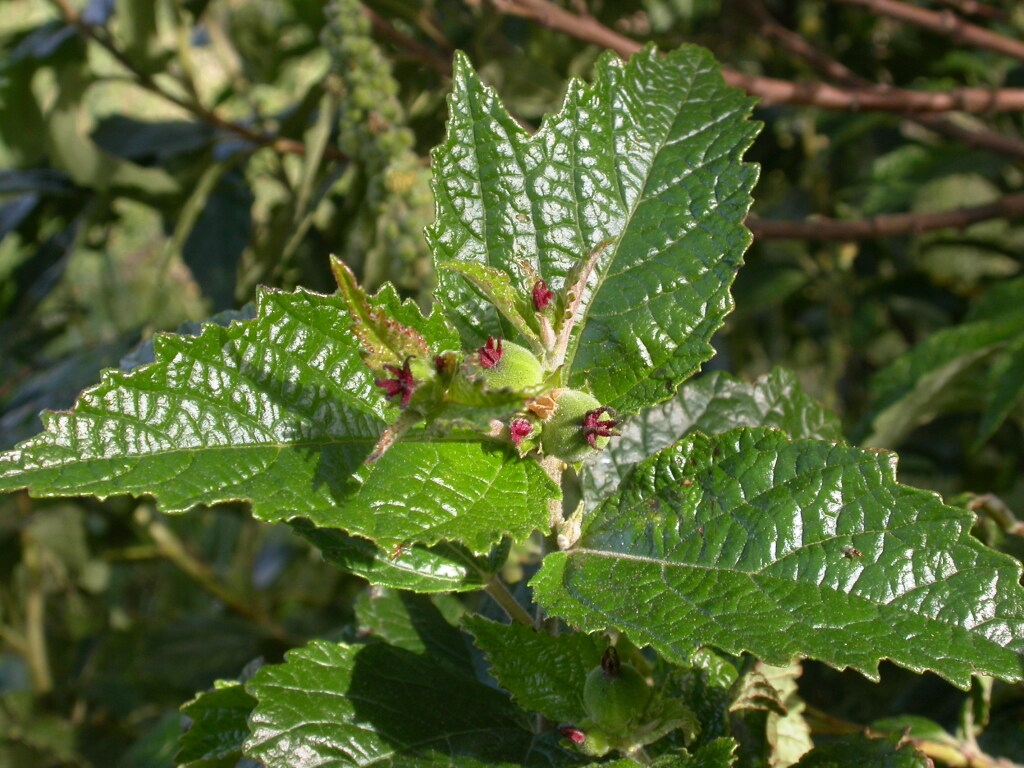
column 379, row 503
column 855, row 568
column 932, row 377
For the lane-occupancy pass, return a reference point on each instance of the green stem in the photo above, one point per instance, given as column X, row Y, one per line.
column 36, row 655
column 496, row 588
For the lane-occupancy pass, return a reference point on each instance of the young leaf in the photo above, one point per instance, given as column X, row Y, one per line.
column 219, row 727
column 648, row 158
column 389, row 329
column 544, row 673
column 282, row 412
column 750, row 542
column 444, row 567
column 343, row 705
column 710, row 404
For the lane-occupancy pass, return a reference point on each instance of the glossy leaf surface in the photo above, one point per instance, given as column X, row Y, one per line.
column 341, row 705
column 710, row 404
column 279, row 411
column 444, row 567
column 750, row 542
column 646, row 158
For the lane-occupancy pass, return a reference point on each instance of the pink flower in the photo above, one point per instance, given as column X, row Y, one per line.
column 541, row 296
column 519, row 429
column 594, row 426
column 490, row 353
column 401, row 386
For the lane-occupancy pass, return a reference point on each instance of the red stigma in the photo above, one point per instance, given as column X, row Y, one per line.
column 573, row 734
column 401, row 386
column 440, row 365
column 490, row 353
column 594, row 427
column 519, row 429
column 542, row 296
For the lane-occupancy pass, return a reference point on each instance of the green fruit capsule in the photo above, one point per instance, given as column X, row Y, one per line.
column 615, row 693
column 504, row 365
column 578, row 427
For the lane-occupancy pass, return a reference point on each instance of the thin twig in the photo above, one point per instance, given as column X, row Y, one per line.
column 98, row 36
column 496, row 588
column 37, row 657
column 174, row 549
column 945, row 23
column 974, row 8
column 886, row 225
column 774, row 91
column 978, row 136
column 416, row 49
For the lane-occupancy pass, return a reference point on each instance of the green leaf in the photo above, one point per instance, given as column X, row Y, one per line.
column 72, row 150
column 282, row 412
column 219, row 727
column 497, row 287
column 1005, row 390
column 414, row 623
column 710, row 404
column 445, row 567
column 750, row 542
column 859, row 751
column 921, row 383
column 340, row 705
column 544, row 673
column 648, row 157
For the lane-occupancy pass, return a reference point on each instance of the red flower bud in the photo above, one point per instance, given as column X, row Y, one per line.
column 573, row 734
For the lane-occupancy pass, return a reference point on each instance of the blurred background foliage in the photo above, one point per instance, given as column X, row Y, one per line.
column 160, row 160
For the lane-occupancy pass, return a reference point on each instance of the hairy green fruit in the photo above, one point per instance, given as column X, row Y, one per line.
column 504, row 365
column 615, row 693
column 578, row 427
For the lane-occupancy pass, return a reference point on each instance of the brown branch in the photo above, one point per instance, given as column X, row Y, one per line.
column 886, row 225
column 974, row 8
column 945, row 23
column 773, row 91
column 441, row 64
column 977, row 136
column 98, row 36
